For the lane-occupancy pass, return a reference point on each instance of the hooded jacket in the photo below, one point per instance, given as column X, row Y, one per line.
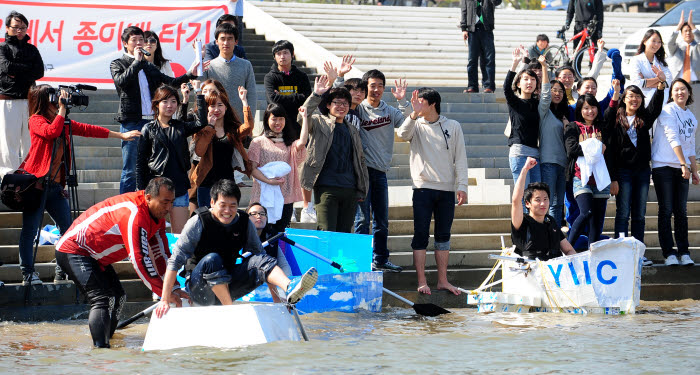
column 288, row 90
column 20, row 66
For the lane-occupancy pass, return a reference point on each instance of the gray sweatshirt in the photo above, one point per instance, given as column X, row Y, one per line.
column 551, row 131
column 192, row 232
column 438, row 157
column 377, row 132
column 232, row 74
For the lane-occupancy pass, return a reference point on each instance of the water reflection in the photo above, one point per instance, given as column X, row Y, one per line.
column 662, row 337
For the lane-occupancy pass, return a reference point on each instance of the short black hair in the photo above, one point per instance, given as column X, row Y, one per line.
column 579, row 84
column 225, row 188
column 128, row 32
column 563, row 68
column 431, row 96
column 355, row 84
column 339, row 93
column 153, row 187
column 18, row 15
column 226, row 18
column 247, row 210
column 687, row 86
column 282, row 45
column 534, row 65
column 226, row 28
column 374, row 73
column 588, row 99
column 542, row 37
column 530, row 190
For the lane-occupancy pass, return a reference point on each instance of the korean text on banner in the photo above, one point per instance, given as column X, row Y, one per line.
column 77, row 39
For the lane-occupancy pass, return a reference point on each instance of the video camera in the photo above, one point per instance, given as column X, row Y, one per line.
column 76, row 97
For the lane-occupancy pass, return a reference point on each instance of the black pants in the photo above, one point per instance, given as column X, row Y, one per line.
column 283, row 222
column 578, row 27
column 103, row 290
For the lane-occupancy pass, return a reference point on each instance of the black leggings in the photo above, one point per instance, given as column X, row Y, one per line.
column 592, row 212
column 103, row 290
column 283, row 222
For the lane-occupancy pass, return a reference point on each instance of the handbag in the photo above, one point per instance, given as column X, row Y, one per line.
column 21, row 191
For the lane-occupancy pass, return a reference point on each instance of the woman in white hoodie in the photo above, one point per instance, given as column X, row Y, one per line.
column 673, row 164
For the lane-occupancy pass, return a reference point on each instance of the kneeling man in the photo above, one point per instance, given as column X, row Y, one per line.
column 209, row 249
column 535, row 235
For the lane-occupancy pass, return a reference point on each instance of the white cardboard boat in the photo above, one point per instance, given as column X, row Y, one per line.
column 232, row 326
column 604, row 280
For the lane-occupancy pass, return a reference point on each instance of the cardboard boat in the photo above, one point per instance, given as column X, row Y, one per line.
column 604, row 280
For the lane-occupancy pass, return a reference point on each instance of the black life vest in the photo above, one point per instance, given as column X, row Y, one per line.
column 226, row 241
column 553, row 249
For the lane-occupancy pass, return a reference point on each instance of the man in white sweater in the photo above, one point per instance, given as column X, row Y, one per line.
column 438, row 167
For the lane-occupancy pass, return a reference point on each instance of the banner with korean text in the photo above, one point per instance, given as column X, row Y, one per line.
column 78, row 39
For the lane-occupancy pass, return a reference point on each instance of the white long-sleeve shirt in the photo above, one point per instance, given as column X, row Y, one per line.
column 675, row 127
column 640, row 70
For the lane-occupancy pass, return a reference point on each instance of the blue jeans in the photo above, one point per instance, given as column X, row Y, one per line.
column 553, row 175
column 127, row 181
column 242, row 279
column 633, row 194
column 426, row 203
column 203, row 196
column 57, row 206
column 481, row 47
column 672, row 194
column 376, row 205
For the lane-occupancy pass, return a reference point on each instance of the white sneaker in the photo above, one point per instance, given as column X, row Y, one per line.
column 308, row 215
column 672, row 260
column 31, row 279
column 646, row 262
column 686, row 261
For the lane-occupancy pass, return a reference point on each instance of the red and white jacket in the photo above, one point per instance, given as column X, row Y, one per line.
column 118, row 227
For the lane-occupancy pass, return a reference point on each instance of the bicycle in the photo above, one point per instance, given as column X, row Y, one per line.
column 584, row 54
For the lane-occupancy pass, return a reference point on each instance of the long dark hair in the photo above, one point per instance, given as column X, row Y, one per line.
column 39, row 103
column 590, row 100
column 158, row 59
column 288, row 132
column 661, row 53
column 621, row 118
column 560, row 109
column 231, row 122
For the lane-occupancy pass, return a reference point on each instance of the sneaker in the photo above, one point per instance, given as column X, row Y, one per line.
column 646, row 262
column 387, row 266
column 60, row 277
column 686, row 261
column 308, row 215
column 31, row 279
column 294, row 216
column 299, row 287
column 671, row 260
column 155, row 297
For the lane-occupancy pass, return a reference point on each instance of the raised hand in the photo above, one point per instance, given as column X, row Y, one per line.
column 690, row 21
column 185, row 92
column 517, row 54
column 329, row 68
column 345, row 65
column 530, row 163
column 302, row 111
column 680, row 22
column 400, row 91
column 416, row 104
column 659, row 73
column 543, row 61
column 616, row 85
column 601, row 44
column 243, row 95
column 321, row 85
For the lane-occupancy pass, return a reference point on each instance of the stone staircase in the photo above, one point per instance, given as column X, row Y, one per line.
column 424, row 45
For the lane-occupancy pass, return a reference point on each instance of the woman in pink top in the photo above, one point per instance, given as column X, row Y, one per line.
column 278, row 144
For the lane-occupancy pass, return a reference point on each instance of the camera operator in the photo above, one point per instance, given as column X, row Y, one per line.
column 136, row 81
column 49, row 136
column 20, row 66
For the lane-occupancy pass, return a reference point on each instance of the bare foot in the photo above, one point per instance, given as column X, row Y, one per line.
column 424, row 289
column 449, row 287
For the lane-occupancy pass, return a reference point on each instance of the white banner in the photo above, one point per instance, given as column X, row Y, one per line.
column 607, row 276
column 78, row 39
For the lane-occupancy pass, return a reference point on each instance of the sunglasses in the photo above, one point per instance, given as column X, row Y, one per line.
column 152, row 41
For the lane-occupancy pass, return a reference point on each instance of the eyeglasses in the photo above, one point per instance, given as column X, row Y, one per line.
column 257, row 214
column 152, row 41
column 340, row 104
column 17, row 28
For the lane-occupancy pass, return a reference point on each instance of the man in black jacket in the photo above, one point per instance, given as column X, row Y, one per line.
column 285, row 84
column 585, row 11
column 477, row 28
column 20, row 66
column 136, row 81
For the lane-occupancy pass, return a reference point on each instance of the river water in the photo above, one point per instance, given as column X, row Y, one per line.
column 664, row 337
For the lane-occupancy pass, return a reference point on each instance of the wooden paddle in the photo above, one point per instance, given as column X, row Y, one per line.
column 426, row 309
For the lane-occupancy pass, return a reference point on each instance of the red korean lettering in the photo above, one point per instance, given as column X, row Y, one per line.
column 107, row 28
column 86, row 35
column 49, row 34
column 166, row 32
column 207, row 34
column 197, row 27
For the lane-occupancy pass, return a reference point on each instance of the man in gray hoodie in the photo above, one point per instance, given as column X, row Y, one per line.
column 438, row 165
column 377, row 131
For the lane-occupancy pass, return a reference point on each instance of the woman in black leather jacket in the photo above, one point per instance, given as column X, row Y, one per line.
column 163, row 150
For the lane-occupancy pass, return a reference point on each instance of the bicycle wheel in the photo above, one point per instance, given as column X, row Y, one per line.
column 558, row 58
column 582, row 63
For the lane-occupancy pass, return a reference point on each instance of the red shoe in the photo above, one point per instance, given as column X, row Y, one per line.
column 471, row 91
column 488, row 91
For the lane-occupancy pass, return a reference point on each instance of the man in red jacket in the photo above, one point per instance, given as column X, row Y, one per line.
column 127, row 225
